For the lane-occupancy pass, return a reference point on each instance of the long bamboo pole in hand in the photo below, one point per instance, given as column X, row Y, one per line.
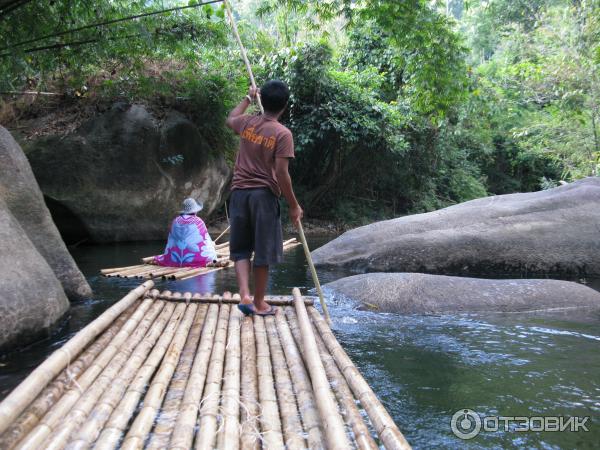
column 313, row 272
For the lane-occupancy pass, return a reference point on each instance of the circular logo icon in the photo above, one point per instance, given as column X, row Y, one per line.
column 465, row 424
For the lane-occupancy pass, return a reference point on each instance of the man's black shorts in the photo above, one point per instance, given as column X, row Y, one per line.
column 255, row 220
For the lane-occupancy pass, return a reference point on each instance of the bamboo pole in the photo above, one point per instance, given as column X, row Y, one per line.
column 249, row 435
column 333, row 425
column 221, row 235
column 183, row 432
column 52, row 393
column 88, row 432
column 142, row 424
column 292, row 345
column 387, row 430
column 29, row 388
column 206, row 437
column 229, row 434
column 277, row 300
column 166, row 420
column 222, row 245
column 288, row 408
column 269, row 419
column 83, row 403
column 313, row 272
column 118, row 269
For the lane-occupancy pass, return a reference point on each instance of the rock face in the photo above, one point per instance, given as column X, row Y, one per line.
column 31, row 297
column 123, row 175
column 419, row 293
column 21, row 193
column 549, row 232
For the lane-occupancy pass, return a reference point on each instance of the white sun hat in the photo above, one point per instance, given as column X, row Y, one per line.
column 191, row 206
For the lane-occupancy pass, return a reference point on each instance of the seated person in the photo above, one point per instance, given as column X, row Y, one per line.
column 189, row 244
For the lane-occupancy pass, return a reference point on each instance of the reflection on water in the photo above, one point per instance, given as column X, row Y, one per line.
column 424, row 368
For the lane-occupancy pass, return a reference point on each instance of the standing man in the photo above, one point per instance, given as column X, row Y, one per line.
column 260, row 177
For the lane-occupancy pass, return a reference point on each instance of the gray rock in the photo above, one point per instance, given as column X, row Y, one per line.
column 31, row 297
column 21, row 193
column 123, row 175
column 439, row 294
column 548, row 232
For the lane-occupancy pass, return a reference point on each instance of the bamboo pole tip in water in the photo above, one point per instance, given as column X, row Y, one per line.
column 187, row 297
column 154, row 293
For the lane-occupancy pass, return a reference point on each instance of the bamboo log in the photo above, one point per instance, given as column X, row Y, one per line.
column 387, row 430
column 166, row 420
column 142, row 424
column 132, row 271
column 292, row 347
column 120, row 417
column 354, row 420
column 269, row 420
column 183, row 432
column 84, row 403
column 221, row 235
column 148, row 259
column 333, row 425
column 52, row 393
column 249, row 435
column 223, row 245
column 212, row 269
column 29, row 388
column 278, row 300
column 119, row 269
column 288, row 409
column 206, row 437
column 89, row 431
column 229, row 434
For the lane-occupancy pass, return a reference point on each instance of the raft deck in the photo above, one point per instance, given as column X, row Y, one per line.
column 172, row 370
column 148, row 270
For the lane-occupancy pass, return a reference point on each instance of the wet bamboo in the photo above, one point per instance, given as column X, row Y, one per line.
column 161, row 271
column 184, row 273
column 148, row 259
column 249, row 435
column 50, row 395
column 288, row 408
column 223, row 245
column 333, row 424
column 166, row 421
column 183, row 432
column 222, row 234
column 29, row 388
column 279, row 300
column 213, row 269
column 270, row 422
column 387, row 430
column 84, row 402
column 153, row 400
column 121, row 416
column 360, row 431
column 206, row 437
column 118, row 269
column 291, row 340
column 313, row 272
column 88, row 432
column 131, row 271
column 229, row 433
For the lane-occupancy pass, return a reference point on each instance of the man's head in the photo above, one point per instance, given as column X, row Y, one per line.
column 274, row 96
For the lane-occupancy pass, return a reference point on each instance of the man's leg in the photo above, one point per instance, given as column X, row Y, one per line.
column 242, row 272
column 261, row 277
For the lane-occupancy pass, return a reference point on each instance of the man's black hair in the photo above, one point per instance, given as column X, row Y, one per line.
column 274, row 95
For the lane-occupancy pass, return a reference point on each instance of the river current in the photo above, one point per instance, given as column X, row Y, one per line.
column 423, row 368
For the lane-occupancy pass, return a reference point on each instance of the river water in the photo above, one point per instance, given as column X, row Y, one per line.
column 423, row 368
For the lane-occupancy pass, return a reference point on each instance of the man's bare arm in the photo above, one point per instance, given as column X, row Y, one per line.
column 241, row 107
column 285, row 183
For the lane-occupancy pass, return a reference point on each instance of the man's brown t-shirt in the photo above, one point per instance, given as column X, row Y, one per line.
column 261, row 141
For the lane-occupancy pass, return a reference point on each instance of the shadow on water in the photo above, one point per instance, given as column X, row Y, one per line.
column 424, row 368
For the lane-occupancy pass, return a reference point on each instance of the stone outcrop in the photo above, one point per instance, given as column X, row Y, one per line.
column 123, row 174
column 31, row 297
column 21, row 194
column 419, row 293
column 556, row 231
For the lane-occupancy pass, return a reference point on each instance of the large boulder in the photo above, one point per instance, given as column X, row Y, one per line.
column 548, row 232
column 123, row 174
column 31, row 297
column 21, row 193
column 419, row 293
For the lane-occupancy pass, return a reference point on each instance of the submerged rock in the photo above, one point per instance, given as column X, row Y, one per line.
column 439, row 294
column 21, row 193
column 548, row 232
column 31, row 297
column 122, row 175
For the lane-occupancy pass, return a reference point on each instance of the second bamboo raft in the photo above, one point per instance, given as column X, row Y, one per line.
column 180, row 371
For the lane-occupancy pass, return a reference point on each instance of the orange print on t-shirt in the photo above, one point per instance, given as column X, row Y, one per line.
column 268, row 142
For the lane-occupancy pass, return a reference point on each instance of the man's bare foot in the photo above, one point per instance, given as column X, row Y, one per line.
column 262, row 307
column 246, row 299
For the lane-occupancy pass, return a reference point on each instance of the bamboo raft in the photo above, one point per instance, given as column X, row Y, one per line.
column 171, row 370
column 148, row 270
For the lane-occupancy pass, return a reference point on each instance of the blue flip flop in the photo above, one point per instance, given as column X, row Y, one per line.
column 246, row 308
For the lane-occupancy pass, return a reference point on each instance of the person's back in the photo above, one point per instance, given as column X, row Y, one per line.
column 260, row 177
